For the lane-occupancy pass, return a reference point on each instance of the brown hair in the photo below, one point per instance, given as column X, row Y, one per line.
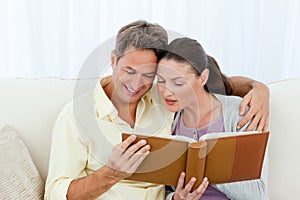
column 186, row 50
column 217, row 82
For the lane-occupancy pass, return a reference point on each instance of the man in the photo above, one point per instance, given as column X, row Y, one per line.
column 86, row 167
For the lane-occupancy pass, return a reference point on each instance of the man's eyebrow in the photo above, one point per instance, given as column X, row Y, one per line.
column 151, row 73
column 130, row 68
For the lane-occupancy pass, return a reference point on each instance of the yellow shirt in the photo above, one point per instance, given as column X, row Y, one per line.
column 87, row 129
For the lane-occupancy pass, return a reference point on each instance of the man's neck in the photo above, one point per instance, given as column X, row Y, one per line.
column 126, row 110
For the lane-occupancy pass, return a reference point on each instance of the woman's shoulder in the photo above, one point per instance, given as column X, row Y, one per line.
column 229, row 102
column 231, row 111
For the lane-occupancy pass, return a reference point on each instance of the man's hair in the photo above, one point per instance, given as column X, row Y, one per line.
column 141, row 35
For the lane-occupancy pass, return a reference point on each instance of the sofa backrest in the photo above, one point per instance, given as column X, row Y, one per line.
column 32, row 106
column 284, row 143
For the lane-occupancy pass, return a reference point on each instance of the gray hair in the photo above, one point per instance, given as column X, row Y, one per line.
column 141, row 35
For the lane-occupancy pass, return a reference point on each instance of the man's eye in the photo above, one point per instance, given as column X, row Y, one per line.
column 149, row 75
column 130, row 72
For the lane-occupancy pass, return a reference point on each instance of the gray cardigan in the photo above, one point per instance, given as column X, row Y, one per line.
column 244, row 190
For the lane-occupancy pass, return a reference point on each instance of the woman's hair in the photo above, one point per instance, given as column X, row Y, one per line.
column 217, row 82
column 186, row 50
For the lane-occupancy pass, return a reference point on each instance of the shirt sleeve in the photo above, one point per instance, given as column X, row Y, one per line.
column 170, row 196
column 68, row 157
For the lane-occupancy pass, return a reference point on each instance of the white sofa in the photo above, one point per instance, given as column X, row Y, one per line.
column 31, row 106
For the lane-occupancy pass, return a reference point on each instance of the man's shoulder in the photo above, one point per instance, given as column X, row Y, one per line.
column 67, row 110
column 80, row 102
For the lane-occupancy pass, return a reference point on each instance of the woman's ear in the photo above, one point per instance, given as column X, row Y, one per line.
column 113, row 58
column 204, row 77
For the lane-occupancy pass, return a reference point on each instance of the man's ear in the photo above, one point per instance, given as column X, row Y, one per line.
column 204, row 77
column 113, row 58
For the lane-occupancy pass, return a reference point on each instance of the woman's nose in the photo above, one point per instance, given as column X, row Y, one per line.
column 167, row 92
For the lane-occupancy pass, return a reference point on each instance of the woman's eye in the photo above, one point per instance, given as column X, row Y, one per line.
column 178, row 84
column 160, row 81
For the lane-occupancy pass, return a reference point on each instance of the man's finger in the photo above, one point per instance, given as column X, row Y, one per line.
column 138, row 161
column 134, row 148
column 136, row 155
column 266, row 124
column 244, row 103
column 254, row 123
column 245, row 119
column 126, row 143
column 261, row 124
column 133, row 160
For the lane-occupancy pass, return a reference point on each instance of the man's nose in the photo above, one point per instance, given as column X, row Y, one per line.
column 137, row 82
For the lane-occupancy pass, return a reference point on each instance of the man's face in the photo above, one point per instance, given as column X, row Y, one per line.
column 133, row 75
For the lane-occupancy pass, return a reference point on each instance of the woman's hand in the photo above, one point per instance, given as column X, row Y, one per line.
column 125, row 159
column 182, row 192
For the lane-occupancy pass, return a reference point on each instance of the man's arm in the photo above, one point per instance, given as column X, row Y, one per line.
column 92, row 186
column 123, row 161
column 255, row 95
column 68, row 158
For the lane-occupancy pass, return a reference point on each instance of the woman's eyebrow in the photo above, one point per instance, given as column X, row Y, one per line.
column 175, row 78
column 179, row 77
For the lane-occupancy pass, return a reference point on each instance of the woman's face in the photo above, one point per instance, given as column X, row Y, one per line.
column 177, row 84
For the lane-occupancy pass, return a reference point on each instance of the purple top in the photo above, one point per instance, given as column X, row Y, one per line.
column 211, row 193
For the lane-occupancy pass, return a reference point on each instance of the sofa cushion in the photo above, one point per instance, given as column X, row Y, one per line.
column 284, row 141
column 19, row 178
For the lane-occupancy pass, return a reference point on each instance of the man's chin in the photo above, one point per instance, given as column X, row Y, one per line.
column 135, row 99
column 132, row 99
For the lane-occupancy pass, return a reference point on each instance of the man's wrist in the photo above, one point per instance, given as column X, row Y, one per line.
column 260, row 86
column 107, row 175
column 255, row 84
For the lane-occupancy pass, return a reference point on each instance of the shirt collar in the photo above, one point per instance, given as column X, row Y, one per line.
column 104, row 105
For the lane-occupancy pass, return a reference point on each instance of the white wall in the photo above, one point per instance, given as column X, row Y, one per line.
column 256, row 38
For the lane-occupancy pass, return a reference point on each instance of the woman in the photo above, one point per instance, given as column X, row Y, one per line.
column 183, row 82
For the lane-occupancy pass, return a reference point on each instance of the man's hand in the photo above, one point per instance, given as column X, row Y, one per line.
column 258, row 101
column 185, row 192
column 125, row 159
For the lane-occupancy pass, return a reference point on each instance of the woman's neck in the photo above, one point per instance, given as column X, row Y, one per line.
column 204, row 111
